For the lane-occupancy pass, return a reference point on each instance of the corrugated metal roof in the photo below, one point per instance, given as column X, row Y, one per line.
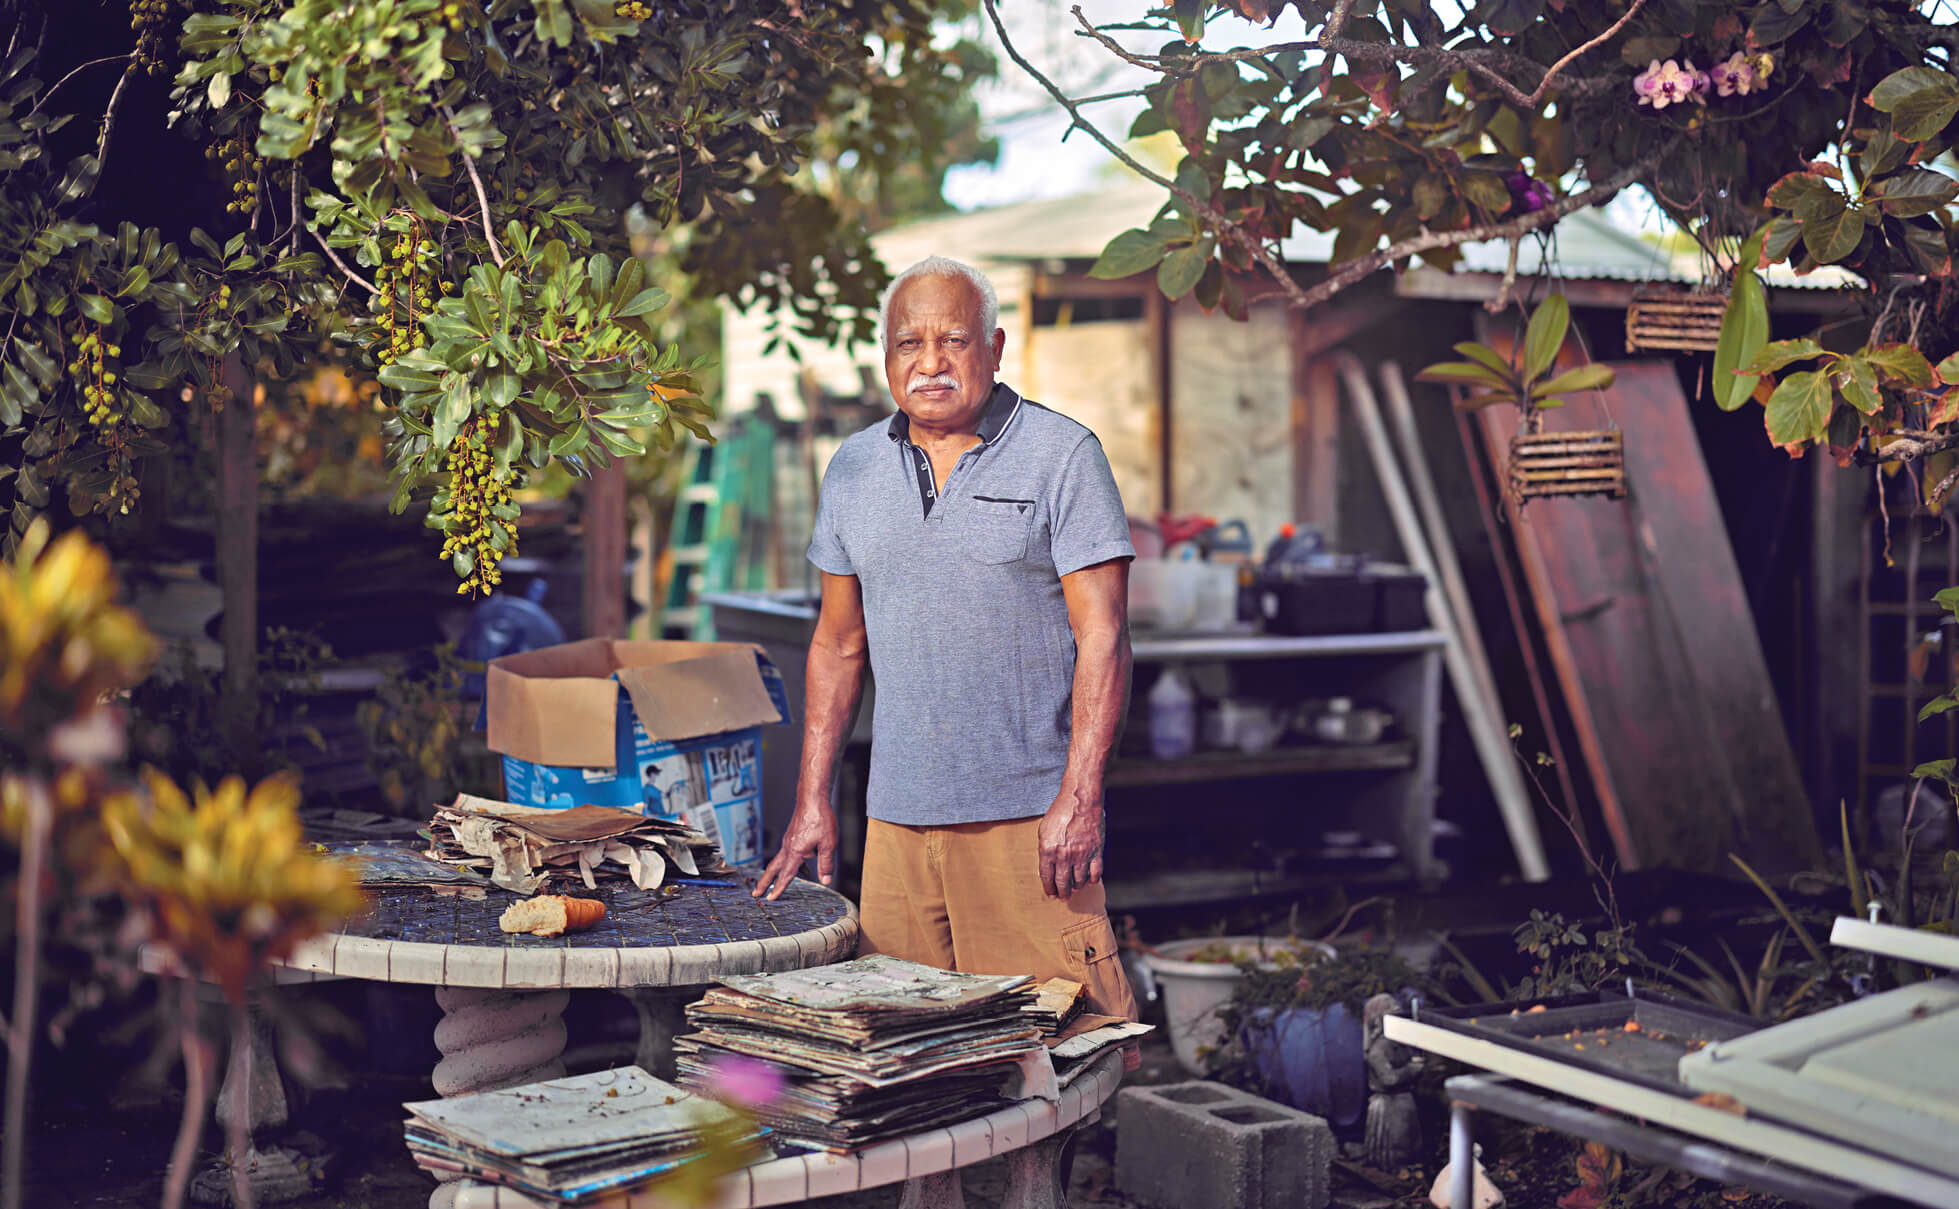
column 1588, row 245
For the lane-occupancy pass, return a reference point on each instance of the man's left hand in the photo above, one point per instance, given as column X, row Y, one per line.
column 1071, row 842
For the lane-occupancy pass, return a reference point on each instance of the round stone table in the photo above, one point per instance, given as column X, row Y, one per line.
column 503, row 996
column 1030, row 1133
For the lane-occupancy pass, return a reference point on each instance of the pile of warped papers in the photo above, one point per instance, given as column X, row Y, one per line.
column 877, row 1047
column 530, row 848
column 573, row 1140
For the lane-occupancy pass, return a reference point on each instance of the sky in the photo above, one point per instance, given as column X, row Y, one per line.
column 1035, row 161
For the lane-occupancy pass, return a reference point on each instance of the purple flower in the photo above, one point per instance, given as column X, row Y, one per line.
column 743, row 1081
column 1527, row 194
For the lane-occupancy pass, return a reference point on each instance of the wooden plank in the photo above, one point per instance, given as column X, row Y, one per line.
column 1659, row 646
column 1504, row 555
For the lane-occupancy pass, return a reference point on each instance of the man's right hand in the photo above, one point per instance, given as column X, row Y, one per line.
column 812, row 832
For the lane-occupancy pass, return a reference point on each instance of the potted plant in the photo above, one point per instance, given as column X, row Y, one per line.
column 1299, row 1032
column 1198, row 977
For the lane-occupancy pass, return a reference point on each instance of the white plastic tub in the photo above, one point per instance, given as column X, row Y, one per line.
column 1194, row 992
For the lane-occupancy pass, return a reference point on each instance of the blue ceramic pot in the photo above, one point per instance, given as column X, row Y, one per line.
column 1311, row 1059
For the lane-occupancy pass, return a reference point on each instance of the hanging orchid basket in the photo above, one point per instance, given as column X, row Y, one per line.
column 1675, row 319
column 1567, row 463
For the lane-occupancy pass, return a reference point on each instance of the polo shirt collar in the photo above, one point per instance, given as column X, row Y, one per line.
column 1000, row 411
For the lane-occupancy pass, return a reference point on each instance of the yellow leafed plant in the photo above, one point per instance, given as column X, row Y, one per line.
column 64, row 639
column 228, row 876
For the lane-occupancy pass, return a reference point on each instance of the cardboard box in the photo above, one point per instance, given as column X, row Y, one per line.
column 681, row 741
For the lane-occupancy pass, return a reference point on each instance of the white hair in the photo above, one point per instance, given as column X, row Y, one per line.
column 941, row 266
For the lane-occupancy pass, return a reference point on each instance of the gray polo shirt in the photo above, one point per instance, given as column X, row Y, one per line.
column 970, row 644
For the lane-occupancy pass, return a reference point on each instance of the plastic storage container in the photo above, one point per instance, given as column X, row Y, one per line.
column 1173, row 716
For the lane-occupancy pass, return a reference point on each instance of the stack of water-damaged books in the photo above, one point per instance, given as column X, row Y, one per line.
column 575, row 1139
column 872, row 1048
column 530, row 849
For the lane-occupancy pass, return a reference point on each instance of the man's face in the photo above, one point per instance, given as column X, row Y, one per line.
column 937, row 361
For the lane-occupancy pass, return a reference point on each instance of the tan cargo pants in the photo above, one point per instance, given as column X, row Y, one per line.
column 968, row 897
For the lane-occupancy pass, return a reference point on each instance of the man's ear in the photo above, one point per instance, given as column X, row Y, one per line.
column 999, row 346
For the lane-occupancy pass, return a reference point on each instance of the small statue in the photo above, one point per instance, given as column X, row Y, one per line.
column 1394, row 1127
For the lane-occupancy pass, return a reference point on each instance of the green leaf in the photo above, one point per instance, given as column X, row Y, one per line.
column 1486, row 190
column 1743, row 330
column 1799, row 410
column 1914, row 191
column 1858, row 382
column 1936, row 770
column 1920, row 100
column 1431, row 193
column 1774, row 22
column 1586, row 377
column 1832, row 234
column 146, row 413
column 1948, row 369
column 96, row 307
column 1190, row 18
column 1466, row 372
column 1510, row 17
column 1796, row 186
column 1937, row 706
column 1948, row 599
column 650, row 299
column 1131, row 252
column 1181, row 269
column 1900, row 362
column 1545, row 335
column 409, row 378
column 1775, row 355
column 1483, row 354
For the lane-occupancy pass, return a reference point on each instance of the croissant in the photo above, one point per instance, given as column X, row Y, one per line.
column 552, row 915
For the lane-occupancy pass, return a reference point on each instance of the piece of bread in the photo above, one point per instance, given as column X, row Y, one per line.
column 552, row 915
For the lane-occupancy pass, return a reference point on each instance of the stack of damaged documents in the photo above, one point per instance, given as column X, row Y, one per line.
column 571, row 1140
column 529, row 849
column 873, row 1048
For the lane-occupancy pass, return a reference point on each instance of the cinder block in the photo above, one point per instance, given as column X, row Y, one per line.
column 1184, row 1145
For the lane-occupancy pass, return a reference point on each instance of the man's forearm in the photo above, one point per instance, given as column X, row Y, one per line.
column 835, row 684
column 1101, row 693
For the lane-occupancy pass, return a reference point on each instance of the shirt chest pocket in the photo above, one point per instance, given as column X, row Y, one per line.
column 997, row 529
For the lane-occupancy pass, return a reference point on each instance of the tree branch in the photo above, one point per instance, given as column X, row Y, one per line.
column 340, row 264
column 1234, row 232
column 109, row 121
column 1354, row 270
column 482, row 197
column 1487, row 62
column 49, row 94
column 1910, row 445
column 1544, row 84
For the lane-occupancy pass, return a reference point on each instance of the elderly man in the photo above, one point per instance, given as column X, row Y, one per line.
column 975, row 554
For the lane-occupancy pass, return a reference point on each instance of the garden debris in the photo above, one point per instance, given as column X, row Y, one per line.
column 570, row 1140
column 872, row 1048
column 527, row 848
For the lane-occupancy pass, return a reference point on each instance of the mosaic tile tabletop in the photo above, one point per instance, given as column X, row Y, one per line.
column 684, row 933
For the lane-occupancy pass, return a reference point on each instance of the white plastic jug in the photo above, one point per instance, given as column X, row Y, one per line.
column 1173, row 716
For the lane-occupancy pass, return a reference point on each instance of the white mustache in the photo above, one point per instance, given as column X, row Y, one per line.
column 924, row 382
